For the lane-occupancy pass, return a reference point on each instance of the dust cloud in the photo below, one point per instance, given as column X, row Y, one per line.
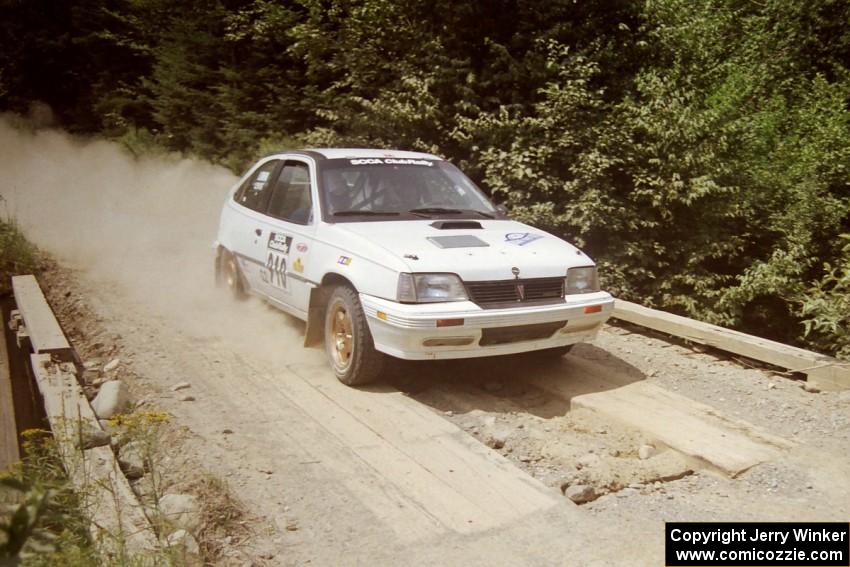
column 141, row 229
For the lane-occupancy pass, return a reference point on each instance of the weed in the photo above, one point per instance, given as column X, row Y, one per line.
column 144, row 431
column 41, row 522
column 221, row 513
column 17, row 254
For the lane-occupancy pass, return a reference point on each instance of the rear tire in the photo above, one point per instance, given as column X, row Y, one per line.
column 229, row 276
column 348, row 341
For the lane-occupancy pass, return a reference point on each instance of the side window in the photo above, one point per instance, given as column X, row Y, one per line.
column 291, row 199
column 255, row 193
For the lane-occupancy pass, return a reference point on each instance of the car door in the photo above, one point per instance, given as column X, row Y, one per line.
column 290, row 227
column 247, row 228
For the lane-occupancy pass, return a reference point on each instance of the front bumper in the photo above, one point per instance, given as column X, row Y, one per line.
column 411, row 331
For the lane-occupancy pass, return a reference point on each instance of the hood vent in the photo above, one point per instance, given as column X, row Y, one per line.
column 457, row 224
column 457, row 241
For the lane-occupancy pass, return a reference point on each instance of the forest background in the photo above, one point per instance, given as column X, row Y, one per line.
column 699, row 150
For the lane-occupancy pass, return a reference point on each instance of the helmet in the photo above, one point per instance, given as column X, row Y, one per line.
column 337, row 192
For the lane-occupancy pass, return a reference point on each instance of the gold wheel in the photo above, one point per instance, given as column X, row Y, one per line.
column 340, row 334
column 348, row 342
column 230, row 274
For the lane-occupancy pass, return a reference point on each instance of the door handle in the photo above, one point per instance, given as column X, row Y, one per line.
column 258, row 231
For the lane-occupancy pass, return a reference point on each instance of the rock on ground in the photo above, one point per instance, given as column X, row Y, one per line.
column 185, row 540
column 580, row 493
column 187, row 545
column 181, row 510
column 587, row 460
column 131, row 457
column 91, row 437
column 112, row 399
column 646, row 452
column 498, row 438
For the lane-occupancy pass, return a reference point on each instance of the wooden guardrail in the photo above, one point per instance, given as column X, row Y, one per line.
column 824, row 372
column 119, row 525
column 9, row 448
column 45, row 333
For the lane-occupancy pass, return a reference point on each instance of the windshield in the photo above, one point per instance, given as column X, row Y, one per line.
column 355, row 190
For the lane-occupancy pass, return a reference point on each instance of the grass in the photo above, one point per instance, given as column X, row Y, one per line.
column 42, row 519
column 221, row 514
column 17, row 254
column 41, row 522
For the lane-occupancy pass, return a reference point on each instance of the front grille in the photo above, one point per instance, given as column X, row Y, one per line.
column 506, row 335
column 536, row 290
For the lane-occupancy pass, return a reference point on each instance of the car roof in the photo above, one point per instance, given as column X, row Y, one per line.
column 337, row 153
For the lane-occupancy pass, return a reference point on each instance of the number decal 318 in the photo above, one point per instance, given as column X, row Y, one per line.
column 276, row 266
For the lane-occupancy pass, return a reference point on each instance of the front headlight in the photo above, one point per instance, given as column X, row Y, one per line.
column 581, row 280
column 430, row 288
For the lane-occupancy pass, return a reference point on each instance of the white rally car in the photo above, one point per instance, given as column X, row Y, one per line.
column 399, row 253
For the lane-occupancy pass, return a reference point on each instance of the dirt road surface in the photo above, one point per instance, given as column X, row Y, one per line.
column 462, row 463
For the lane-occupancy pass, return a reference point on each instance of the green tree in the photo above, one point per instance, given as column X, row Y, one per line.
column 716, row 185
column 698, row 150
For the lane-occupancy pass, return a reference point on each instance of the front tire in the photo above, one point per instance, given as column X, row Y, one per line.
column 348, row 342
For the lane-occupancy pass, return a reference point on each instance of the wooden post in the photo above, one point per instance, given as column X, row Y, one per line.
column 9, row 448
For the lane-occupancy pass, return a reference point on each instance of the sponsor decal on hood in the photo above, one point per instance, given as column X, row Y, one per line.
column 521, row 238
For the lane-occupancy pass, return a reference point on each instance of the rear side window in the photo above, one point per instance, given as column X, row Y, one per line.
column 255, row 193
column 292, row 199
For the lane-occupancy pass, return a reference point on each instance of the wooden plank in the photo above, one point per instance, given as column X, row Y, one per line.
column 445, row 473
column 9, row 448
column 825, row 372
column 695, row 429
column 45, row 334
column 118, row 522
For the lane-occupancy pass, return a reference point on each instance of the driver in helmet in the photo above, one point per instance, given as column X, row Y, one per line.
column 337, row 192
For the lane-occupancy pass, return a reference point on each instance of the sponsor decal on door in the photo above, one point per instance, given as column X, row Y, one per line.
column 274, row 271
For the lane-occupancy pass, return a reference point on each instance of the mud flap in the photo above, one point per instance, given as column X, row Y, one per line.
column 313, row 335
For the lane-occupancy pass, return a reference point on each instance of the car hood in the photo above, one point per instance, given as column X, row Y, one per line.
column 493, row 252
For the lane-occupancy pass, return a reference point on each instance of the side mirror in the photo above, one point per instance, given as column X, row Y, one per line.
column 502, row 209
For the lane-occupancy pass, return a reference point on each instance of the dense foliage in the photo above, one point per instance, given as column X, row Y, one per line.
column 698, row 149
column 17, row 255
